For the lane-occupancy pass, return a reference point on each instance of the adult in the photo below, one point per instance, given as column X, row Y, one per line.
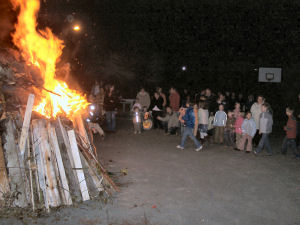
column 249, row 102
column 185, row 98
column 297, row 115
column 256, row 111
column 222, row 101
column 241, row 100
column 161, row 94
column 157, row 110
column 210, row 100
column 174, row 99
column 143, row 98
column 110, row 106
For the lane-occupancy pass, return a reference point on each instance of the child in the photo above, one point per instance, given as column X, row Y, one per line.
column 137, row 120
column 220, row 123
column 171, row 121
column 248, row 132
column 290, row 129
column 238, row 129
column 265, row 128
column 229, row 130
column 203, row 119
column 188, row 119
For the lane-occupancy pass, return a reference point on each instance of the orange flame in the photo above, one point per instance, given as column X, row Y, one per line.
column 42, row 49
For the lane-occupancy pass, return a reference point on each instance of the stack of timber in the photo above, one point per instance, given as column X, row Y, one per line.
column 48, row 163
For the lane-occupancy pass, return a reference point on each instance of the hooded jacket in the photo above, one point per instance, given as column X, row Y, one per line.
column 189, row 117
column 220, row 119
column 249, row 127
column 265, row 123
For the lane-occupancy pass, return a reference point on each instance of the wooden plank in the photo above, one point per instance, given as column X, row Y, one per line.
column 51, row 182
column 26, row 123
column 13, row 164
column 78, row 166
column 35, row 161
column 39, row 161
column 68, row 161
column 83, row 134
column 67, row 144
column 30, row 173
column 4, row 184
column 92, row 173
column 61, row 168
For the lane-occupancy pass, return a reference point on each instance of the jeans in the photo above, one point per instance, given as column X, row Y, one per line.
column 189, row 132
column 111, row 120
column 289, row 142
column 264, row 142
column 256, row 138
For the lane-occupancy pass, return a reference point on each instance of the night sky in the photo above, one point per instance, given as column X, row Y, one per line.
column 135, row 43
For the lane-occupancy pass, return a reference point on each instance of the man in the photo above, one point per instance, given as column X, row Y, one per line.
column 174, row 99
column 143, row 98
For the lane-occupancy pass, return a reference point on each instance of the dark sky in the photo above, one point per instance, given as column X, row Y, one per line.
column 150, row 40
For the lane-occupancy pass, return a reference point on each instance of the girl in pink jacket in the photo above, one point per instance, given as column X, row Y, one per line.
column 238, row 128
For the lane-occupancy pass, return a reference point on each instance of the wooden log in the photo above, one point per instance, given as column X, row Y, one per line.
column 61, row 169
column 78, row 166
column 4, row 184
column 26, row 123
column 17, row 184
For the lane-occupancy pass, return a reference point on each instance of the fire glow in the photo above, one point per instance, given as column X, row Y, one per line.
column 43, row 49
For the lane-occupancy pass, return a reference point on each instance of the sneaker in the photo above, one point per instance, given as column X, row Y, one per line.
column 135, row 132
column 140, row 132
column 255, row 152
column 180, row 147
column 199, row 148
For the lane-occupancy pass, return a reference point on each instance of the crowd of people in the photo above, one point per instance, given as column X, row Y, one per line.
column 223, row 118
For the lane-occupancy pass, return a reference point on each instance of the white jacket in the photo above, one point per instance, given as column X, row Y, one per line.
column 256, row 111
column 203, row 116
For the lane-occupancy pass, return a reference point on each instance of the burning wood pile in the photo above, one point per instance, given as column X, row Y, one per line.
column 47, row 158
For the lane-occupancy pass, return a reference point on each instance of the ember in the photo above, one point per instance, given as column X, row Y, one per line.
column 43, row 49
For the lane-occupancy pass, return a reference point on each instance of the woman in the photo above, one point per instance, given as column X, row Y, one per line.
column 110, row 106
column 157, row 109
column 256, row 111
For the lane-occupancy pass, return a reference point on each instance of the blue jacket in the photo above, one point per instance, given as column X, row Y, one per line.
column 189, row 117
column 220, row 119
column 249, row 127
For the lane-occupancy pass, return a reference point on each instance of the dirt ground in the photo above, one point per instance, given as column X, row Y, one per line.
column 165, row 185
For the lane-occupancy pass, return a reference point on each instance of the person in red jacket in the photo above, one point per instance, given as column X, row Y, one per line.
column 291, row 132
column 174, row 99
